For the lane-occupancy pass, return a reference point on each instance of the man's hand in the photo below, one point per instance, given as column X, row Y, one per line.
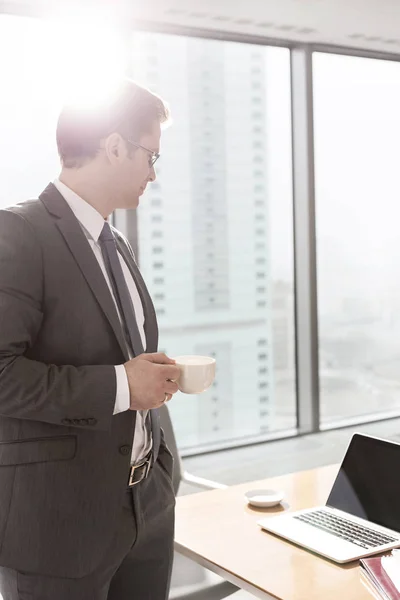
column 150, row 378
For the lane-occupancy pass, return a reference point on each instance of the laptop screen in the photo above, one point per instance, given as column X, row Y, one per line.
column 368, row 483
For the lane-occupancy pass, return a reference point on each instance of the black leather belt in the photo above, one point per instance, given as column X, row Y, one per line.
column 140, row 471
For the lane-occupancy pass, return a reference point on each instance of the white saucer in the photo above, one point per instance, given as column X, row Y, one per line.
column 264, row 498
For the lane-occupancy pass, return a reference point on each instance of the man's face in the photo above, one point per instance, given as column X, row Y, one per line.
column 134, row 169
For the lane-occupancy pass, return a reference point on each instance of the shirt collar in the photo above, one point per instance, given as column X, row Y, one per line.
column 87, row 216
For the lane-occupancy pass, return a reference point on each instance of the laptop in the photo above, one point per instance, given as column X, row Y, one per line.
column 362, row 514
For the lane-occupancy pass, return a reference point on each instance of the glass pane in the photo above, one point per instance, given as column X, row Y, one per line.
column 215, row 231
column 357, row 128
column 39, row 70
column 29, row 106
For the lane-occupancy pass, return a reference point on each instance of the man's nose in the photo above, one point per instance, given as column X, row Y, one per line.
column 152, row 174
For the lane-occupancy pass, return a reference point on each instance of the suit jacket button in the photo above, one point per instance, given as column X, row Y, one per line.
column 66, row 421
column 91, row 421
column 125, row 450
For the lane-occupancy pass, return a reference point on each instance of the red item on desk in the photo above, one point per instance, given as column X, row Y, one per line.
column 377, row 576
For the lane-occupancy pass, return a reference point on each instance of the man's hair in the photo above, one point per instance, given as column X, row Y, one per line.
column 131, row 111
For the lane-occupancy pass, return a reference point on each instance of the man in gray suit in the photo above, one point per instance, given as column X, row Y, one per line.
column 86, row 498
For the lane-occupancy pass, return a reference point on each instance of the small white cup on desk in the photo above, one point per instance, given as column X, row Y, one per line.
column 197, row 373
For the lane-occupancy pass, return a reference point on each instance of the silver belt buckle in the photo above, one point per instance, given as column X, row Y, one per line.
column 131, row 475
column 133, row 469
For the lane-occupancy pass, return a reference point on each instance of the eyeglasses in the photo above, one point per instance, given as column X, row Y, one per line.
column 154, row 156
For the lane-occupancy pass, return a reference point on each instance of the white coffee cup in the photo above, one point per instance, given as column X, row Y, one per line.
column 197, row 373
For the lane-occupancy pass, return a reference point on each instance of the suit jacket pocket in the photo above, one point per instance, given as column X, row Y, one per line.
column 24, row 452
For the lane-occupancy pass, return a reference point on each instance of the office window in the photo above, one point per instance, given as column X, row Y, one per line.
column 357, row 128
column 152, row 76
column 39, row 70
column 29, row 108
column 207, row 291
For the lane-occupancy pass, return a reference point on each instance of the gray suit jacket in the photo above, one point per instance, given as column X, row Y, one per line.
column 64, row 457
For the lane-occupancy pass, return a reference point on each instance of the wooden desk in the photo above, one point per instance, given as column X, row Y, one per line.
column 219, row 531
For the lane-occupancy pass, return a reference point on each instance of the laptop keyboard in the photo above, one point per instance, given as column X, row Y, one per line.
column 345, row 529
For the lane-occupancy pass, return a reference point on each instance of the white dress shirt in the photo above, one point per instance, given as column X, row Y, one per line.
column 92, row 224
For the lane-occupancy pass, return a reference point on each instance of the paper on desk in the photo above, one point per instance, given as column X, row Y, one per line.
column 391, row 564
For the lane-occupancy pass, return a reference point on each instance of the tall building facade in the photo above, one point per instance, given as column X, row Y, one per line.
column 203, row 229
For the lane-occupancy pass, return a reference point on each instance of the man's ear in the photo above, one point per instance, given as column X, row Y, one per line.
column 115, row 148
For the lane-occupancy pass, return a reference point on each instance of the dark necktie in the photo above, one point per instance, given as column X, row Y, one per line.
column 120, row 288
column 124, row 301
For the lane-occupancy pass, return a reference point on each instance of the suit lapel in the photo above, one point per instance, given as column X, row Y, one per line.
column 150, row 319
column 85, row 259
